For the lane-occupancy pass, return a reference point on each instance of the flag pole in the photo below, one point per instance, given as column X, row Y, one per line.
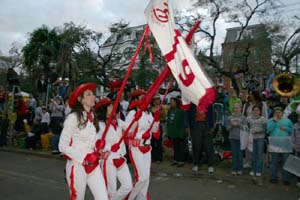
column 133, row 60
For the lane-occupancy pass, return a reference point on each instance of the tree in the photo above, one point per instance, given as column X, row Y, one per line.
column 110, row 54
column 241, row 13
column 286, row 47
column 13, row 61
column 76, row 51
column 41, row 49
column 74, row 55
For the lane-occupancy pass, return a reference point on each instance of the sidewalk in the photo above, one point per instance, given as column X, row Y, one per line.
column 164, row 169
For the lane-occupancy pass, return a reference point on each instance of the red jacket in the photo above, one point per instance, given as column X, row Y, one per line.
column 21, row 107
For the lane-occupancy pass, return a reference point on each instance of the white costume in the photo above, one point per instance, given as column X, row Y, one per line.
column 76, row 143
column 140, row 153
column 115, row 167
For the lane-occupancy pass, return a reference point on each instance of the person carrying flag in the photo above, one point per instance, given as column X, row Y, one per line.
column 138, row 139
column 114, row 164
column 77, row 143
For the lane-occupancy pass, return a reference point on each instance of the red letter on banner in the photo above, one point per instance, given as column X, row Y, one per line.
column 189, row 75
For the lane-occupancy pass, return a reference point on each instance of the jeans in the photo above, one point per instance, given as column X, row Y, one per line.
column 54, row 142
column 237, row 155
column 274, row 165
column 157, row 148
column 257, row 162
column 202, row 142
column 179, row 149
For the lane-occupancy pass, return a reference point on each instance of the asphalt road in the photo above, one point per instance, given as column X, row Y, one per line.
column 31, row 177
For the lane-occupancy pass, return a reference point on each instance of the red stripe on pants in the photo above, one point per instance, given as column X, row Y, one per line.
column 72, row 188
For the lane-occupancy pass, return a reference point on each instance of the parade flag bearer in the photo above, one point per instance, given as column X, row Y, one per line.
column 114, row 164
column 139, row 138
column 77, row 142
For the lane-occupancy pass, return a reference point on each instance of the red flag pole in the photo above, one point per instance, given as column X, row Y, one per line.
column 133, row 60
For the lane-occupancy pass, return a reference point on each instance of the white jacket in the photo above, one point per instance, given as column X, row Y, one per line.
column 74, row 142
column 111, row 138
column 143, row 123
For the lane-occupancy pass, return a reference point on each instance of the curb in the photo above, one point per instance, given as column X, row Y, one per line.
column 43, row 154
column 154, row 169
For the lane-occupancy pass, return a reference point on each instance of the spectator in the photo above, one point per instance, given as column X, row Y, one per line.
column 56, row 108
column 42, row 88
column 157, row 148
column 63, row 89
column 124, row 106
column 21, row 112
column 3, row 99
column 257, row 129
column 243, row 97
column 222, row 97
column 233, row 99
column 53, row 81
column 38, row 112
column 276, row 71
column 254, row 99
column 234, row 124
column 296, row 142
column 34, row 135
column 13, row 80
column 53, row 76
column 45, row 121
column 4, row 124
column 292, row 110
column 30, row 115
column 200, row 126
column 130, row 85
column 279, row 127
column 67, row 108
column 176, row 131
column 31, row 102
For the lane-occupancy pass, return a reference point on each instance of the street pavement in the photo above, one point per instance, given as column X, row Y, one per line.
column 26, row 174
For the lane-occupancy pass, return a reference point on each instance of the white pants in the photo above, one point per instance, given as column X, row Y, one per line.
column 141, row 163
column 112, row 174
column 77, row 180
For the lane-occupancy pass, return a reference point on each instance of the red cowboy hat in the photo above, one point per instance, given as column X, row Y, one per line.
column 79, row 90
column 115, row 85
column 137, row 93
column 103, row 102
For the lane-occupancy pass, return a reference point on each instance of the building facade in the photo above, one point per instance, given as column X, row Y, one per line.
column 247, row 56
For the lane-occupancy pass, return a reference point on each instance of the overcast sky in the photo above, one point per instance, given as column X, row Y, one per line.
column 20, row 17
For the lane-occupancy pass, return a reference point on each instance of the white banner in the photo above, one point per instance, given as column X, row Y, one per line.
column 195, row 85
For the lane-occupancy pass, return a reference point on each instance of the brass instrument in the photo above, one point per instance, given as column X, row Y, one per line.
column 286, row 84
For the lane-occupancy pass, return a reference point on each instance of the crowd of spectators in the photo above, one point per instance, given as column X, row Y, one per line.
column 191, row 134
